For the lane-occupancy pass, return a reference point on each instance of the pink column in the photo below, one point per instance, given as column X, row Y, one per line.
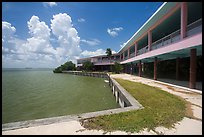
column 155, row 68
column 135, row 49
column 123, row 55
column 177, row 68
column 193, row 64
column 184, row 18
column 128, row 52
column 131, row 68
column 120, row 57
column 140, row 69
column 149, row 40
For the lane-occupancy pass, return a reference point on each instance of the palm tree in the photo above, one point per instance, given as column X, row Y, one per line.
column 109, row 53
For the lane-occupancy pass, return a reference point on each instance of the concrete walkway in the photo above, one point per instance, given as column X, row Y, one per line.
column 185, row 127
column 181, row 83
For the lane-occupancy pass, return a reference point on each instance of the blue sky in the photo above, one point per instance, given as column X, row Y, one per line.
column 93, row 27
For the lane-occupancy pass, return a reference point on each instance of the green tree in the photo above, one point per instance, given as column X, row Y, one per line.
column 66, row 66
column 109, row 53
column 58, row 70
column 87, row 65
column 69, row 66
column 117, row 68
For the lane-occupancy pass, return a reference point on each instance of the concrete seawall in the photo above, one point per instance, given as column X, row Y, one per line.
column 90, row 74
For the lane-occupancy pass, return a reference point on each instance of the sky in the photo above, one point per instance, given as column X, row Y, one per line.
column 47, row 34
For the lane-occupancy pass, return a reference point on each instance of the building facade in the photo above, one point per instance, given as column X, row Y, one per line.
column 173, row 32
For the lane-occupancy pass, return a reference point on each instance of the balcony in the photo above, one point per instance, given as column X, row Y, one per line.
column 142, row 50
column 171, row 38
column 132, row 54
column 192, row 29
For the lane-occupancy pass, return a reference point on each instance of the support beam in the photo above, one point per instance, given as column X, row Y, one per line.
column 184, row 19
column 140, row 69
column 193, row 64
column 155, row 68
column 177, row 68
column 149, row 40
column 135, row 49
column 120, row 57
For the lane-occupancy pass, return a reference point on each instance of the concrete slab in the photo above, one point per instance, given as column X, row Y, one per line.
column 185, row 127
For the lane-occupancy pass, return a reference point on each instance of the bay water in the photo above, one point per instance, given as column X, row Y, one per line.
column 29, row 94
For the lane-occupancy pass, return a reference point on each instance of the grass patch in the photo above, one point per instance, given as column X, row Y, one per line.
column 160, row 109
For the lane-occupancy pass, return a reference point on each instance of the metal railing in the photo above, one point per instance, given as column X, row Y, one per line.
column 171, row 38
column 194, row 27
column 126, row 57
column 142, row 50
column 132, row 54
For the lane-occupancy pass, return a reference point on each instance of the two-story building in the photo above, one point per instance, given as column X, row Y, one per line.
column 173, row 32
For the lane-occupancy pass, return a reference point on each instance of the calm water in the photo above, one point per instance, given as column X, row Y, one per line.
column 32, row 94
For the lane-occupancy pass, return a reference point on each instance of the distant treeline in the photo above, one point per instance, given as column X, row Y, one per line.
column 66, row 66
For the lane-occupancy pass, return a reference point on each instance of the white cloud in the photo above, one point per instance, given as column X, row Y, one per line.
column 114, row 31
column 81, row 20
column 93, row 53
column 7, row 30
column 39, row 50
column 51, row 4
column 67, row 36
column 92, row 42
column 9, row 41
column 40, row 40
column 113, row 52
column 38, row 29
column 122, row 45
